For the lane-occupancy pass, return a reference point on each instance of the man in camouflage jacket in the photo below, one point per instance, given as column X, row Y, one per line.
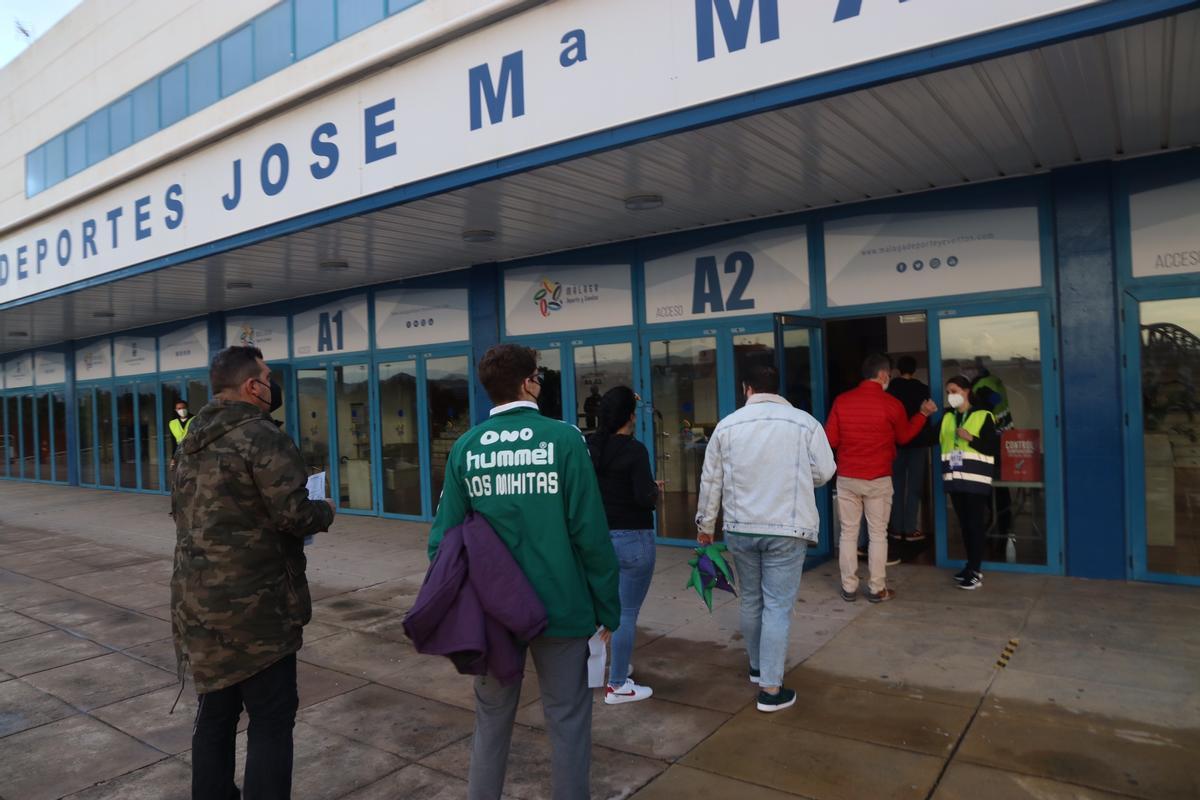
column 239, row 596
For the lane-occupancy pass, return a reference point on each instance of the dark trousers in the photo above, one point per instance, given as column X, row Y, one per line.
column 270, row 700
column 972, row 511
column 908, row 482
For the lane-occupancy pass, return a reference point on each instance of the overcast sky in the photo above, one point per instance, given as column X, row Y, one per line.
column 36, row 16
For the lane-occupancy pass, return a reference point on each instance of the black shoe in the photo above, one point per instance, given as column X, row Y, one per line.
column 971, row 582
column 893, row 557
column 961, row 574
column 769, row 703
column 884, row 595
column 755, row 676
column 849, row 597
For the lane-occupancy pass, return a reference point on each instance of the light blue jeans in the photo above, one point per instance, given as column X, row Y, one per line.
column 636, row 554
column 768, row 571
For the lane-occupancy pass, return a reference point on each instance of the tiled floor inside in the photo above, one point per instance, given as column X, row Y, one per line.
column 1101, row 697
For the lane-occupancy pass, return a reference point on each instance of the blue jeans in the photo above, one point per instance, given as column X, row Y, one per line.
column 908, row 481
column 636, row 554
column 768, row 569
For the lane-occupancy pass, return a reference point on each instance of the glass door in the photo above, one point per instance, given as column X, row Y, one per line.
column 448, row 395
column 598, row 368
column 86, row 400
column 45, row 450
column 12, row 436
column 1005, row 357
column 400, row 447
column 1165, row 429
column 684, row 397
column 313, row 410
column 352, row 405
column 106, row 427
column 28, row 441
column 58, row 402
column 149, row 437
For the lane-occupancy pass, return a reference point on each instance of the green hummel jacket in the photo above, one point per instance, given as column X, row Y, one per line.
column 532, row 479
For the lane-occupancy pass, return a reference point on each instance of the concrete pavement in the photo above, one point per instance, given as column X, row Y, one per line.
column 1100, row 698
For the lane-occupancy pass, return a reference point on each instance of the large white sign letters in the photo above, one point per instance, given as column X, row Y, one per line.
column 553, row 73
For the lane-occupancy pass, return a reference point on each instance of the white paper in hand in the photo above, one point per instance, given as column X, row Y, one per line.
column 597, row 656
column 316, row 491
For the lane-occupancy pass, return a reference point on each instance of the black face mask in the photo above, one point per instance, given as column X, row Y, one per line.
column 276, row 395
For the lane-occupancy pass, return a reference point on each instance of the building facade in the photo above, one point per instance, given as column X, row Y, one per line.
column 653, row 194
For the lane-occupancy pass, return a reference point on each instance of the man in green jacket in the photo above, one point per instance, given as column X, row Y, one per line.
column 239, row 596
column 531, row 477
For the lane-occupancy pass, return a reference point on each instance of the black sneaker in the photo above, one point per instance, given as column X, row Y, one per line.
column 849, row 597
column 971, row 582
column 769, row 703
column 961, row 574
column 893, row 556
column 755, row 677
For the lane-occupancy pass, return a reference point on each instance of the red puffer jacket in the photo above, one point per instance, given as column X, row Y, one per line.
column 865, row 426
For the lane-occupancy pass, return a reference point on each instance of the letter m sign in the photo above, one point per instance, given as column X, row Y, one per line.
column 735, row 25
column 496, row 96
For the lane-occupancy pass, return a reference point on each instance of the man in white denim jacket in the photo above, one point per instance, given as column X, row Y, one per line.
column 762, row 464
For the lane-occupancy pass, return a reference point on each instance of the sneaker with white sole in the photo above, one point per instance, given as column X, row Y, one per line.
column 971, row 582
column 629, row 692
column 755, row 677
column 770, row 703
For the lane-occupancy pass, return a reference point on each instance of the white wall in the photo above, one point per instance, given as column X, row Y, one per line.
column 105, row 48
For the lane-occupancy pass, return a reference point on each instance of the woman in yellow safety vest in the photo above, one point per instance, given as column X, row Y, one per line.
column 970, row 444
column 179, row 428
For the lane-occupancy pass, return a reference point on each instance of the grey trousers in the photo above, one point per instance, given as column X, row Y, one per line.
column 567, row 704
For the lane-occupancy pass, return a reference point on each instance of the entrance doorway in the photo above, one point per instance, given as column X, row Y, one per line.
column 848, row 343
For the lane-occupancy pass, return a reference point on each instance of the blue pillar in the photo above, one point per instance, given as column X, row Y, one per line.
column 484, row 303
column 72, row 424
column 216, row 334
column 1089, row 328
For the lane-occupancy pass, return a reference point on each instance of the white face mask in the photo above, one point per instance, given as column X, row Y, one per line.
column 182, row 412
column 955, row 400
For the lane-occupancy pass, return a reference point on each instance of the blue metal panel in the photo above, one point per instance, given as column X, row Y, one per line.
column 485, row 308
column 1091, row 372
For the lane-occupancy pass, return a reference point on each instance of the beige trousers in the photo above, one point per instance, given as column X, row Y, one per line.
column 855, row 496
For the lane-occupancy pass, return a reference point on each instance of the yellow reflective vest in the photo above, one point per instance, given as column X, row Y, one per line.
column 965, row 469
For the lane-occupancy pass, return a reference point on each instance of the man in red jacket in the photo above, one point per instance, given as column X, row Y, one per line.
column 864, row 427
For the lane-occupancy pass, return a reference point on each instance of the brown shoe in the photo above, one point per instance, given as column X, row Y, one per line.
column 886, row 594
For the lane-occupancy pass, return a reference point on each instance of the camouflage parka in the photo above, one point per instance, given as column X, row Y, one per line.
column 239, row 596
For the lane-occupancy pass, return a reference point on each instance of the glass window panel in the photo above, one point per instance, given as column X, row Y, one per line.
column 171, row 393
column 313, row 407
column 1005, row 349
column 237, row 63
column 12, row 439
column 203, row 78
column 280, row 414
column 35, row 172
column 272, row 40
column 4, row 446
column 56, row 160
column 145, row 110
column 1170, row 341
column 750, row 350
column 354, row 15
column 87, row 441
column 598, row 368
column 97, row 136
column 197, row 394
column 106, row 450
column 352, row 393
column 797, row 365
column 396, row 6
column 550, row 400
column 28, row 443
column 149, row 431
column 400, row 445
column 59, row 436
column 314, row 26
column 120, row 124
column 126, row 433
column 683, row 376
column 449, row 396
column 44, row 449
column 76, row 149
column 172, row 95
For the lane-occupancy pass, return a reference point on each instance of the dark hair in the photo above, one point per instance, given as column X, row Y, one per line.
column 616, row 407
column 762, row 378
column 233, row 366
column 504, row 368
column 964, row 383
column 906, row 364
column 875, row 364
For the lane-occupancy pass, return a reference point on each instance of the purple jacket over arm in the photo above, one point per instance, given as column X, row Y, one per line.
column 476, row 605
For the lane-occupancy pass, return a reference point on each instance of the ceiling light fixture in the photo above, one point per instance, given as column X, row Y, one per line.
column 643, row 202
column 18, row 334
column 479, row 236
column 334, row 266
column 103, row 314
column 239, row 285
